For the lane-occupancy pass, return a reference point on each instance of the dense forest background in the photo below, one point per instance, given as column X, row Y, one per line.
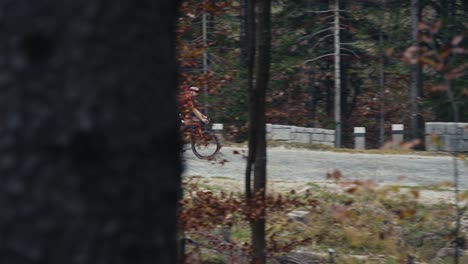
column 376, row 63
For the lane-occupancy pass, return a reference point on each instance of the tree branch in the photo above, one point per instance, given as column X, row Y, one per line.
column 324, row 11
column 354, row 53
column 315, row 33
column 319, row 57
column 320, row 40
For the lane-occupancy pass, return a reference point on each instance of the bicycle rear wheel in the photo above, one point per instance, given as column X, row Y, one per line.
column 205, row 147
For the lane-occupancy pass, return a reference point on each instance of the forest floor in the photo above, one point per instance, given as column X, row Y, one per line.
column 426, row 178
column 426, row 194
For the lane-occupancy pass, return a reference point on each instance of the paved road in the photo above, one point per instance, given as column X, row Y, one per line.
column 307, row 165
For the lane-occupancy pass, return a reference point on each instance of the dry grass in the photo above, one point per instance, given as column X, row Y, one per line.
column 376, row 224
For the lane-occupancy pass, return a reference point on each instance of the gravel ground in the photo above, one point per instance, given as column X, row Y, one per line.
column 302, row 165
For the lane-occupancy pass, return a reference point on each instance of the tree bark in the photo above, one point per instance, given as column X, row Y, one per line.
column 311, row 91
column 262, row 75
column 89, row 149
column 416, row 123
column 205, row 60
column 337, row 75
column 243, row 33
column 381, row 81
column 250, row 34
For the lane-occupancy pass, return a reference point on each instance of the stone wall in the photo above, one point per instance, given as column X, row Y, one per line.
column 301, row 134
column 446, row 136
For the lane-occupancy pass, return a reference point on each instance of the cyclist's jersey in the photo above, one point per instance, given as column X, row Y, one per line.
column 185, row 103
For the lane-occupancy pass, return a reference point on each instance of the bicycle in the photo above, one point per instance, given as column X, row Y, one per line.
column 205, row 144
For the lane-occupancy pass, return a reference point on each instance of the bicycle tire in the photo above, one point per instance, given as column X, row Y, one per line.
column 207, row 148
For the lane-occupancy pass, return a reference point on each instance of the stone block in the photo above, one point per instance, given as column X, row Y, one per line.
column 438, row 128
column 269, row 128
column 431, row 144
column 359, row 138
column 428, row 128
column 330, row 144
column 301, row 138
column 449, row 142
column 319, row 131
column 292, row 135
column 217, row 127
column 318, row 137
column 397, row 127
column 449, row 128
column 359, row 130
column 397, row 135
column 269, row 136
column 444, row 145
column 329, row 131
column 465, row 133
column 329, row 138
column 462, row 130
column 463, row 147
column 397, row 139
column 281, row 133
column 281, row 127
column 359, row 142
column 298, row 215
column 452, row 136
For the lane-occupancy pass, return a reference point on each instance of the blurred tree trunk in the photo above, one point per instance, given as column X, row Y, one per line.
column 311, row 89
column 243, row 34
column 262, row 76
column 89, row 151
column 312, row 93
column 338, row 94
column 381, row 79
column 416, row 89
column 345, row 76
column 465, row 6
column 248, row 64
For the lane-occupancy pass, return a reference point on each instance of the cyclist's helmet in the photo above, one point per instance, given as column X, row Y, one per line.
column 193, row 91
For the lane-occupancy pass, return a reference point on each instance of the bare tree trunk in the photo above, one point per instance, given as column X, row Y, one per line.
column 416, row 125
column 464, row 6
column 205, row 60
column 453, row 103
column 337, row 76
column 311, row 91
column 89, row 151
column 329, row 98
column 453, row 12
column 253, row 122
column 381, row 82
column 243, row 33
column 262, row 75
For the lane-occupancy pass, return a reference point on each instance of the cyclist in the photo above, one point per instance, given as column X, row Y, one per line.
column 205, row 145
column 188, row 107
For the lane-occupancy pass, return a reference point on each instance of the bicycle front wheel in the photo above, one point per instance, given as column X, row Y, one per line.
column 206, row 146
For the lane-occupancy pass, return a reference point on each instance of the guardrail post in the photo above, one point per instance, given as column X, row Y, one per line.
column 397, row 135
column 359, row 138
column 218, row 130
